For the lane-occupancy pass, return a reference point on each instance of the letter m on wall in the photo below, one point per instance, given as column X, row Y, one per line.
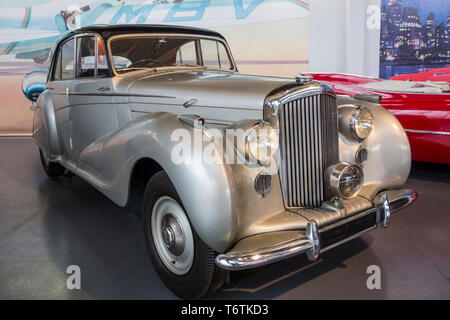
column 140, row 13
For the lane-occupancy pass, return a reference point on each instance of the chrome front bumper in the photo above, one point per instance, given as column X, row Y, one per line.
column 266, row 248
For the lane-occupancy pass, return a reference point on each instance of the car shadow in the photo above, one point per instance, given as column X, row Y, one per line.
column 271, row 281
column 430, row 171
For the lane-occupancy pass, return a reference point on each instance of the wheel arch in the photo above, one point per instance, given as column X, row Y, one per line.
column 141, row 173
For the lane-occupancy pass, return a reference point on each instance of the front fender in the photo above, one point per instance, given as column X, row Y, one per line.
column 389, row 154
column 203, row 188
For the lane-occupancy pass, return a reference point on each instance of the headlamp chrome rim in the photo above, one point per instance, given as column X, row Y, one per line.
column 355, row 118
column 253, row 130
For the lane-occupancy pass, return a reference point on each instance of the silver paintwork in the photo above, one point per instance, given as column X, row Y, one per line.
column 101, row 135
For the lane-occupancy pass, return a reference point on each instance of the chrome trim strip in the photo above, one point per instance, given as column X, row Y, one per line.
column 114, row 94
column 376, row 91
column 345, row 74
column 428, row 132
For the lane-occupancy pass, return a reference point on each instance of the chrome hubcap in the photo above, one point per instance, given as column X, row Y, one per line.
column 172, row 235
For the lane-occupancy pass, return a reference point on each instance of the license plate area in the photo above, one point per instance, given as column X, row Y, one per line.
column 346, row 230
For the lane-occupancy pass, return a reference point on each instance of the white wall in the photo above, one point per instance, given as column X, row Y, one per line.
column 345, row 36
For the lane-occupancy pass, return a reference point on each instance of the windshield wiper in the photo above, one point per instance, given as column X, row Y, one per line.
column 186, row 65
column 131, row 69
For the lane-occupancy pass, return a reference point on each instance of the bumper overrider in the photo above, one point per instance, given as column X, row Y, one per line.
column 266, row 248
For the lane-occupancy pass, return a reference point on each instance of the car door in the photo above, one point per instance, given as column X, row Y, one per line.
column 63, row 73
column 92, row 113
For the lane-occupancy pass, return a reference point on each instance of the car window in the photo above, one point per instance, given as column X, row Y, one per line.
column 215, row 55
column 102, row 63
column 86, row 57
column 140, row 52
column 187, row 54
column 64, row 69
column 88, row 63
column 121, row 62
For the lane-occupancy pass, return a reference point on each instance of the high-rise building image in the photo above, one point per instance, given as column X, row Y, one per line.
column 448, row 34
column 415, row 36
column 429, row 34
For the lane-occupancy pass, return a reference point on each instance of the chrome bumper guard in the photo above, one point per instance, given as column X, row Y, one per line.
column 263, row 249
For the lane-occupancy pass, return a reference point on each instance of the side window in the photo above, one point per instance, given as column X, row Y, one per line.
column 86, row 57
column 64, row 68
column 215, row 55
column 187, row 54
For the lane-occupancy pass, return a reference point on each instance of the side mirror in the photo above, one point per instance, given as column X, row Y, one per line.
column 33, row 84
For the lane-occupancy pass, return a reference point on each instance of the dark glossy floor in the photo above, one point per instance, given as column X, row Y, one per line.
column 48, row 225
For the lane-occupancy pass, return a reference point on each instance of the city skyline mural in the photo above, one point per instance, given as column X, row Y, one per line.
column 415, row 36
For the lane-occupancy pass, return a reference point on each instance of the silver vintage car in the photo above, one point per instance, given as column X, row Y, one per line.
column 304, row 171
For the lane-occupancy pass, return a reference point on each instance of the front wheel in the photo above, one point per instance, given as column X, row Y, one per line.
column 183, row 261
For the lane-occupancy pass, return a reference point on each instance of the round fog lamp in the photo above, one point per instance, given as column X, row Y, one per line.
column 345, row 179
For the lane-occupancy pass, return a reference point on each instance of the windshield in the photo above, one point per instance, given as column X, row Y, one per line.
column 140, row 52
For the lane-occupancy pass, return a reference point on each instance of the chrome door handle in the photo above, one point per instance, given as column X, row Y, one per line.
column 189, row 103
column 104, row 89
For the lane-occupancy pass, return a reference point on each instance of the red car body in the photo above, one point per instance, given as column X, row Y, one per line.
column 435, row 75
column 424, row 116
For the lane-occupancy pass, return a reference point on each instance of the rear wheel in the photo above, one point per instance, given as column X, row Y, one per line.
column 52, row 169
column 183, row 261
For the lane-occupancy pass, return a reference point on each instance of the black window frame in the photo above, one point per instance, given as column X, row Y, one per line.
column 52, row 69
column 56, row 56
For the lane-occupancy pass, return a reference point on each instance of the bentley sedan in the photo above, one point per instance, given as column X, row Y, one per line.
column 227, row 171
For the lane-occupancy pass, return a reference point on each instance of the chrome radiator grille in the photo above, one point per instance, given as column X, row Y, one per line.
column 309, row 145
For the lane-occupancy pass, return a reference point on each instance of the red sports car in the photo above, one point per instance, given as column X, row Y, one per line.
column 423, row 108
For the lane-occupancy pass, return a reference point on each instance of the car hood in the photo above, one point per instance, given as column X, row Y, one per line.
column 210, row 89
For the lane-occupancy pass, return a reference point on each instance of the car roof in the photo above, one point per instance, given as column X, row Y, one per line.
column 107, row 31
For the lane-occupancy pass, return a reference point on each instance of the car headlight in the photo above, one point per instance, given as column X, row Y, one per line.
column 261, row 143
column 361, row 123
column 345, row 179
